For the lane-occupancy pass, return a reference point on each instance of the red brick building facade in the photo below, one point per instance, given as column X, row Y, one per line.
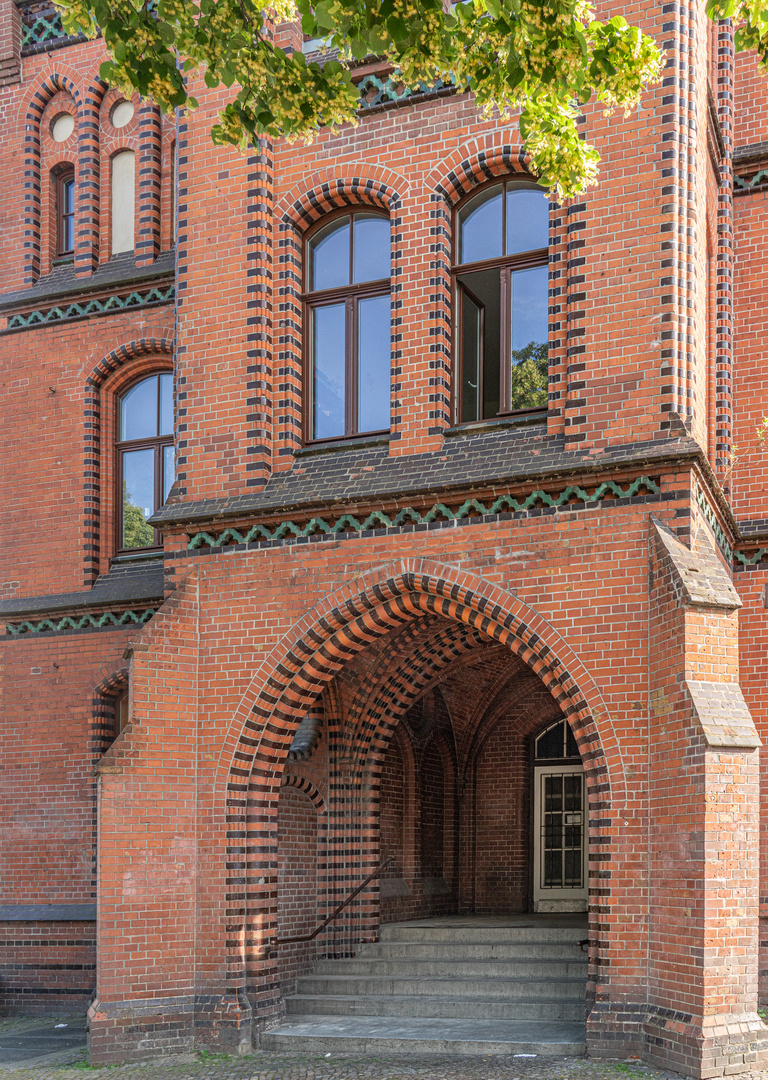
column 337, row 640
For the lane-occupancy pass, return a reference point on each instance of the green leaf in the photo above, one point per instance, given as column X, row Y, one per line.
column 166, row 32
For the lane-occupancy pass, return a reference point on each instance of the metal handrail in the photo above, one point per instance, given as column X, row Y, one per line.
column 311, row 937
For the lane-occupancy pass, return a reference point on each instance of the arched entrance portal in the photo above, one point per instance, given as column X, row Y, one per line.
column 362, row 660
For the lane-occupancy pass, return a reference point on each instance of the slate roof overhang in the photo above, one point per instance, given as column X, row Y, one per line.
column 124, row 584
column 121, row 270
column 475, row 460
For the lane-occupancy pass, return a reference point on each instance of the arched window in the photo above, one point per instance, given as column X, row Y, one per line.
column 348, row 326
column 145, row 459
column 556, row 742
column 122, row 193
column 64, row 181
column 501, row 289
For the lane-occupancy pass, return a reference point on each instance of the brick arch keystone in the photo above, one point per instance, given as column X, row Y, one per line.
column 304, row 662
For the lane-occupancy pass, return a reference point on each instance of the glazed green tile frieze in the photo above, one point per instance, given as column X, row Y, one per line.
column 101, row 621
column 347, row 524
column 711, row 518
column 375, row 91
column 723, row 543
column 47, row 27
column 81, row 310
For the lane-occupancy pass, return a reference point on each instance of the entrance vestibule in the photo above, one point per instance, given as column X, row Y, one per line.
column 483, row 802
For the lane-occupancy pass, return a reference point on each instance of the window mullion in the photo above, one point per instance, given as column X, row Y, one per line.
column 504, row 338
column 158, row 471
column 350, row 366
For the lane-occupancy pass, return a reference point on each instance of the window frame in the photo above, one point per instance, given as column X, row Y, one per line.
column 507, row 265
column 351, row 295
column 123, row 446
column 63, row 176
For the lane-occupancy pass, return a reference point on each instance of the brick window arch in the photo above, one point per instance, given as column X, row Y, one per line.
column 500, row 278
column 145, row 461
column 347, row 325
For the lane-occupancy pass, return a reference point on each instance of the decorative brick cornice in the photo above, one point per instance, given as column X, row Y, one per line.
column 161, row 294
column 349, row 525
column 100, row 621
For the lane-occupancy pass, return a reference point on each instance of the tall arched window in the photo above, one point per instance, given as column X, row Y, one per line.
column 145, row 459
column 348, row 326
column 65, row 210
column 501, row 283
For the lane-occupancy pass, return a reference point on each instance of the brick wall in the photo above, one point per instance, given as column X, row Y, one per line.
column 297, row 882
column 47, row 968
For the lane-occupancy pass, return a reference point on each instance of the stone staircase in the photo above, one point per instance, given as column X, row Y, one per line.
column 461, row 985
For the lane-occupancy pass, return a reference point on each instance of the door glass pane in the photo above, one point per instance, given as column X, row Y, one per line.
column 329, row 256
column 527, row 220
column 572, row 868
column 553, row 875
column 166, row 405
column 138, row 411
column 553, row 793
column 373, row 363
column 480, row 227
column 328, row 335
column 370, row 248
column 169, row 470
column 572, row 793
column 138, row 498
column 529, row 335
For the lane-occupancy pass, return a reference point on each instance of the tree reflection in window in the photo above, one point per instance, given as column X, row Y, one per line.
column 145, row 459
column 502, row 301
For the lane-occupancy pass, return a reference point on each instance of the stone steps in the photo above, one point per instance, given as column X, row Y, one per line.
column 441, row 986
column 460, row 987
column 427, row 968
column 471, row 950
column 446, row 1008
column 380, row 1035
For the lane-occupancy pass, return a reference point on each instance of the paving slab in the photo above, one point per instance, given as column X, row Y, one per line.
column 42, row 1041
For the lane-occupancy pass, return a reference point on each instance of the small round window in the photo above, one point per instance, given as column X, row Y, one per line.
column 62, row 127
column 121, row 114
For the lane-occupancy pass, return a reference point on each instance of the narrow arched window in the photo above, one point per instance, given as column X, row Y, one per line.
column 348, row 326
column 145, row 459
column 65, row 211
column 122, row 193
column 501, row 297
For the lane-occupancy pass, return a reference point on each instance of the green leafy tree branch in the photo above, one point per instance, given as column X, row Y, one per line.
column 545, row 58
